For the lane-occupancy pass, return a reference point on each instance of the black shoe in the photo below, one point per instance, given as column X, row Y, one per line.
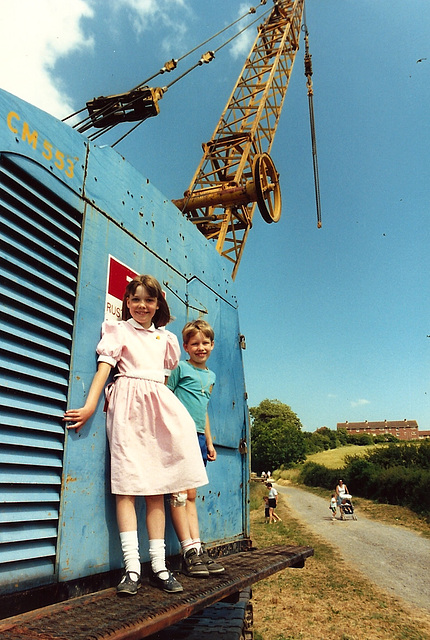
column 128, row 586
column 213, row 567
column 170, row 584
column 193, row 565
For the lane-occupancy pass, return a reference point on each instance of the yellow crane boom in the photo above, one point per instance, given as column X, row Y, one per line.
column 236, row 172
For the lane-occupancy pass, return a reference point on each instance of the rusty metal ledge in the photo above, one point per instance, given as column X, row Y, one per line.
column 105, row 616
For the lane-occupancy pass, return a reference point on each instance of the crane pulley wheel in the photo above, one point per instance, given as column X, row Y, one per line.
column 268, row 190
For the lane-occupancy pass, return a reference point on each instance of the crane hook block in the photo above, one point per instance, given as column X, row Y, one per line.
column 308, row 65
column 139, row 104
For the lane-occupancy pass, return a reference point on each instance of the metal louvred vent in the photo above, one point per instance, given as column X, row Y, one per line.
column 40, row 230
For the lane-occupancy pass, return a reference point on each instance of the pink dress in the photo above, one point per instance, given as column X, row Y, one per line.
column 152, row 437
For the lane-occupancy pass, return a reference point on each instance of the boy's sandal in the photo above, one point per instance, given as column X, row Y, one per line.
column 212, row 566
column 193, row 564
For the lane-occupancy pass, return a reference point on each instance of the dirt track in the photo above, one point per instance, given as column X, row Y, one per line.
column 395, row 559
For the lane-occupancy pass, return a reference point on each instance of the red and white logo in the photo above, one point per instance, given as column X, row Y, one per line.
column 119, row 275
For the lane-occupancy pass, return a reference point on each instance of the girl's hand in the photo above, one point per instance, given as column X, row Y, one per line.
column 78, row 417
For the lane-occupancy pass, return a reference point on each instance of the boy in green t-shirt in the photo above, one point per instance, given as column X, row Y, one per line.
column 192, row 383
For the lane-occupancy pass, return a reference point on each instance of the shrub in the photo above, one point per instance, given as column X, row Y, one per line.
column 405, row 454
column 392, row 475
column 317, row 475
column 406, row 487
column 361, row 439
column 363, row 476
column 423, row 454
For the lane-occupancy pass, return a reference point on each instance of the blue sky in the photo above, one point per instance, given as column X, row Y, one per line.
column 336, row 319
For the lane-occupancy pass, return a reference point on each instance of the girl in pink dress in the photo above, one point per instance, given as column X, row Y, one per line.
column 152, row 438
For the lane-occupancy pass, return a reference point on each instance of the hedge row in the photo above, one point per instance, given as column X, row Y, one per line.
column 407, row 486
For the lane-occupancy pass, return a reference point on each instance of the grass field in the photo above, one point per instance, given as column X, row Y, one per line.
column 332, row 459
column 335, row 458
column 326, row 600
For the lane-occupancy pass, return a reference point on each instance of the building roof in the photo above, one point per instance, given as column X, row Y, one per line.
column 383, row 424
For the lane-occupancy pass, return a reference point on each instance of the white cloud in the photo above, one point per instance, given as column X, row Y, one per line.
column 145, row 11
column 360, row 402
column 36, row 34
column 241, row 46
column 33, row 36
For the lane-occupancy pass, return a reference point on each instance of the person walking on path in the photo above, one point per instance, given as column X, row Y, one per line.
column 152, row 437
column 273, row 501
column 341, row 491
column 333, row 506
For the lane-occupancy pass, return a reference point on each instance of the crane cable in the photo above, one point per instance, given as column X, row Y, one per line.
column 86, row 123
column 251, row 10
column 211, row 54
column 172, row 64
column 308, row 74
column 204, row 59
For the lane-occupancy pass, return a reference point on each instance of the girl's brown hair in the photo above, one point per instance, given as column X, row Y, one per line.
column 162, row 315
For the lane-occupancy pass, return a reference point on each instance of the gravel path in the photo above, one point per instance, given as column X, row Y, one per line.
column 395, row 559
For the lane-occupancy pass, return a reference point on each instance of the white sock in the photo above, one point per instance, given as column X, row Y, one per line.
column 157, row 556
column 187, row 545
column 197, row 544
column 130, row 551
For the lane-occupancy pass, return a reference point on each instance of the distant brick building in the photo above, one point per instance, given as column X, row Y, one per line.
column 402, row 429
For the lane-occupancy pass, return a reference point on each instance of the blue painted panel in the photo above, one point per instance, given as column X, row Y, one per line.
column 125, row 216
column 16, row 494
column 115, row 187
column 51, row 360
column 31, row 477
column 42, row 458
column 228, row 398
column 26, row 532
column 51, row 145
column 89, row 545
column 17, row 438
column 34, row 422
column 223, row 514
column 40, row 247
column 35, row 549
column 27, row 574
column 24, row 513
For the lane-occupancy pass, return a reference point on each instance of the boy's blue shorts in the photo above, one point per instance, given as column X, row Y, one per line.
column 203, row 447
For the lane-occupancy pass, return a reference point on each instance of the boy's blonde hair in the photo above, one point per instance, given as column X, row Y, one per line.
column 193, row 327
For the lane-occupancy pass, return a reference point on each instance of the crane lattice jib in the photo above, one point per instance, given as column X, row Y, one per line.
column 236, row 172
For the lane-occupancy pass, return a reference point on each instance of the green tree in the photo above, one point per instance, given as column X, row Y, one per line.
column 330, row 435
column 276, row 436
column 316, row 442
column 342, row 435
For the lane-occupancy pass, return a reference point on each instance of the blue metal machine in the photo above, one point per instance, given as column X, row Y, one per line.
column 76, row 220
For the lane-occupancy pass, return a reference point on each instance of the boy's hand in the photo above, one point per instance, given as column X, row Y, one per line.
column 211, row 453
